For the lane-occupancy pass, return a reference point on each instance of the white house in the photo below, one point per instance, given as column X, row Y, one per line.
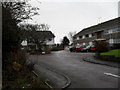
column 44, row 37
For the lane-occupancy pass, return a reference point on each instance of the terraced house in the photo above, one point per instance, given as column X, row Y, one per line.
column 109, row 30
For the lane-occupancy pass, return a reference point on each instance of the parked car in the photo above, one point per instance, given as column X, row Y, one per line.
column 92, row 48
column 86, row 49
column 79, row 48
column 89, row 48
column 72, row 48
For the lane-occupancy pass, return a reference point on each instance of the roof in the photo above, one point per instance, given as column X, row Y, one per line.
column 48, row 34
column 101, row 26
column 38, row 34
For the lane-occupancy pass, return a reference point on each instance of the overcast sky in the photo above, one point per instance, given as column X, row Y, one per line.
column 64, row 16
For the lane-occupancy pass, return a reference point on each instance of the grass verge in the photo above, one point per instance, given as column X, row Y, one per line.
column 115, row 53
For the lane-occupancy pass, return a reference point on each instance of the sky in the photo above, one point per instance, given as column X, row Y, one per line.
column 64, row 16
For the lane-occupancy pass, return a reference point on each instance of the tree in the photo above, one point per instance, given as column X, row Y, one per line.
column 44, row 27
column 65, row 41
column 12, row 14
column 20, row 10
column 70, row 36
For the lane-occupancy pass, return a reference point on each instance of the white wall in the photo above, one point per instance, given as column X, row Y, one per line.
column 77, row 38
column 24, row 43
column 50, row 42
column 90, row 35
column 83, row 36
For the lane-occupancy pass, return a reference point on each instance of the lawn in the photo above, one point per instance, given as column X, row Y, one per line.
column 115, row 53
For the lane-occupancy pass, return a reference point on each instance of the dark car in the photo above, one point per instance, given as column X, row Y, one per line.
column 89, row 48
column 79, row 48
column 72, row 48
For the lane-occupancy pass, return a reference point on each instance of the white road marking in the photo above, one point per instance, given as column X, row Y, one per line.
column 110, row 74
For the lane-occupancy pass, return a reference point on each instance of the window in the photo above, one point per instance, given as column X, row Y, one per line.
column 106, row 31
column 116, row 40
column 80, row 36
column 110, row 40
column 107, row 40
column 93, row 34
column 87, row 35
column 74, row 38
column 115, row 30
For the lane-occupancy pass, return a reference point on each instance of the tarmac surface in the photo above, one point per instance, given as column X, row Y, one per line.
column 82, row 74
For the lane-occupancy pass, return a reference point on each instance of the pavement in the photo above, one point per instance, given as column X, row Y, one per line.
column 52, row 76
column 94, row 60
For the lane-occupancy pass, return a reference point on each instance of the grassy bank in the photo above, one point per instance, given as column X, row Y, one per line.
column 115, row 53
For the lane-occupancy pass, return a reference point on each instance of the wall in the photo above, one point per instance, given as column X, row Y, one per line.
column 50, row 42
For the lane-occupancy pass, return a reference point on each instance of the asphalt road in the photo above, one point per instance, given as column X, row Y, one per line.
column 82, row 74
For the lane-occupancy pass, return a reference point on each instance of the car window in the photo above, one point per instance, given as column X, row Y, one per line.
column 92, row 46
column 83, row 46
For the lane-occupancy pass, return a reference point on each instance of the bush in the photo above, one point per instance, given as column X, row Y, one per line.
column 57, row 49
column 47, row 50
column 16, row 68
column 102, row 46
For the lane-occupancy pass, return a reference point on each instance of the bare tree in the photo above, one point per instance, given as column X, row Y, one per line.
column 44, row 27
column 20, row 11
column 70, row 36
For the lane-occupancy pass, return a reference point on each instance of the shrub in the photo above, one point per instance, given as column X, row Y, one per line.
column 15, row 68
column 102, row 46
column 57, row 49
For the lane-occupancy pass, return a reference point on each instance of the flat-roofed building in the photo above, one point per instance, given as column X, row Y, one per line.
column 109, row 30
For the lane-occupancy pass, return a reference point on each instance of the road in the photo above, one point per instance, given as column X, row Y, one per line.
column 82, row 74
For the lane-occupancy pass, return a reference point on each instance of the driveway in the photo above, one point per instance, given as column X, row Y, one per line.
column 82, row 74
